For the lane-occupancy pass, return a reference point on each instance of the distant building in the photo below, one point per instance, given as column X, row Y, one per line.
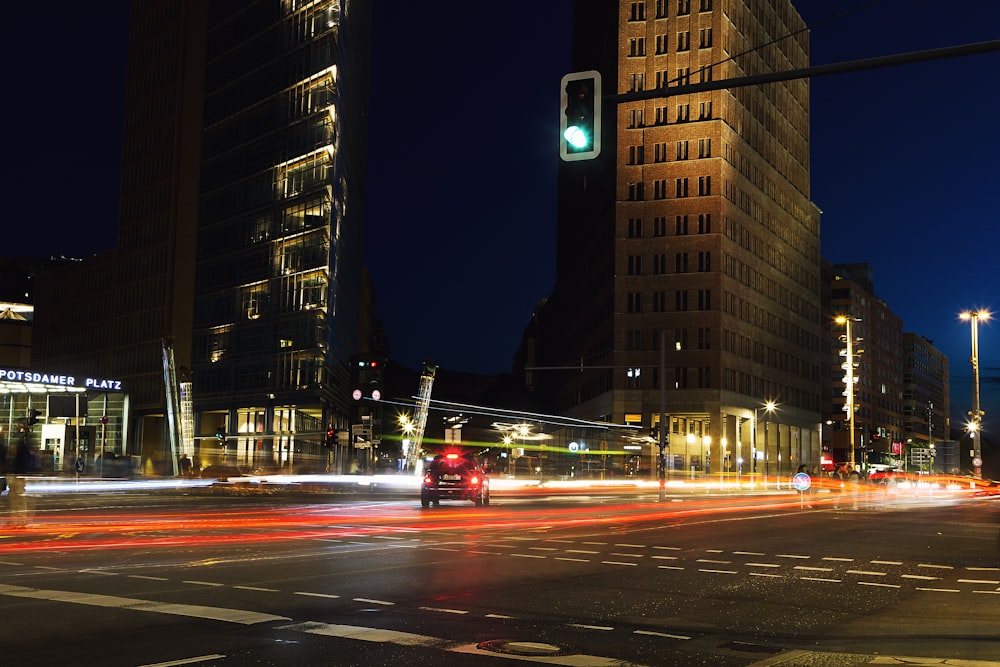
column 688, row 253
column 926, row 398
column 240, row 231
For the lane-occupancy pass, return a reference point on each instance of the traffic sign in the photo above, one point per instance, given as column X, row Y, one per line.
column 801, row 481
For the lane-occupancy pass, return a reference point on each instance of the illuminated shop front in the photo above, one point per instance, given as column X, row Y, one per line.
column 72, row 424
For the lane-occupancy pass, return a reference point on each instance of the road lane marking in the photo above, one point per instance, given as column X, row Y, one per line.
column 543, row 548
column 370, row 601
column 380, row 635
column 665, row 558
column 257, row 588
column 528, row 556
column 876, row 583
column 605, row 628
column 653, row 633
column 835, row 558
column 868, row 573
column 614, row 562
column 317, row 595
column 444, row 610
column 792, row 556
column 923, row 577
column 624, row 555
column 767, row 574
column 186, row 661
column 717, row 571
column 202, row 583
column 711, row 560
column 821, row 579
column 940, row 590
column 581, row 551
column 102, row 572
column 886, row 562
column 813, row 569
column 146, row 576
column 938, row 567
column 669, row 548
column 763, row 565
column 574, row 560
column 748, row 553
column 240, row 616
column 669, row 567
column 631, row 546
column 987, row 582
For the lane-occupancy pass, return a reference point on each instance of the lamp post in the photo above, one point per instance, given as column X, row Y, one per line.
column 768, row 409
column 848, row 367
column 976, row 421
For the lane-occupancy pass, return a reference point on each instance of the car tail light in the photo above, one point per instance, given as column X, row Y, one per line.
column 474, row 481
column 428, row 480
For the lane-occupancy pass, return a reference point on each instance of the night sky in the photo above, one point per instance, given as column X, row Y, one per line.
column 464, row 151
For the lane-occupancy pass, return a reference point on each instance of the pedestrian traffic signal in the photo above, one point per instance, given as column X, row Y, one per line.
column 580, row 122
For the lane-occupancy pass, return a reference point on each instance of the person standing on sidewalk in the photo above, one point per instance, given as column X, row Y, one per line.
column 16, row 494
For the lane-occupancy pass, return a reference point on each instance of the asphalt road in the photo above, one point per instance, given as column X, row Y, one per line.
column 579, row 580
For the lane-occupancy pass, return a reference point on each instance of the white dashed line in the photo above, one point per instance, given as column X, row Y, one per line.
column 937, row 567
column 379, row 602
column 821, row 579
column 143, row 576
column 813, row 569
column 986, row 582
column 604, row 628
column 574, row 560
column 886, row 562
column 528, row 556
column 922, row 577
column 792, row 556
column 317, row 595
column 841, row 560
column 444, row 610
column 653, row 633
column 748, row 553
column 867, row 573
column 876, row 583
column 257, row 588
column 940, row 590
column 203, row 583
column 614, row 562
column 718, row 571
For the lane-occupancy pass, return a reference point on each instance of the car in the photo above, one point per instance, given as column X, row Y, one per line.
column 454, row 476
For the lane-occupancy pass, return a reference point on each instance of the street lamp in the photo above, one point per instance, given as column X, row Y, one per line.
column 849, row 378
column 768, row 409
column 976, row 415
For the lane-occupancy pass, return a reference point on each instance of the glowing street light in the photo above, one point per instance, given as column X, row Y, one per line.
column 975, row 425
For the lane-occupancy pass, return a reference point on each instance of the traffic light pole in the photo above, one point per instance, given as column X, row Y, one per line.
column 812, row 72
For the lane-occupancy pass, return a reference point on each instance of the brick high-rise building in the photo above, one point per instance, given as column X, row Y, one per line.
column 691, row 236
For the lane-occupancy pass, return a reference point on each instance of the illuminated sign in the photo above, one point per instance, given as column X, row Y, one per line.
column 32, row 377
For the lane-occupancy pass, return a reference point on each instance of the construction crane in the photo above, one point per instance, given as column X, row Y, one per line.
column 420, row 416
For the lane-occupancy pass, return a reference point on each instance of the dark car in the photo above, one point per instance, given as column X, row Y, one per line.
column 454, row 477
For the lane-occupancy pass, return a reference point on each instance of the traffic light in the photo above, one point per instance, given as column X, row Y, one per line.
column 32, row 416
column 368, row 379
column 331, row 438
column 220, row 433
column 580, row 122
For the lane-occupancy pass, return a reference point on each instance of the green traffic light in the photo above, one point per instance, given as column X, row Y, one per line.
column 576, row 137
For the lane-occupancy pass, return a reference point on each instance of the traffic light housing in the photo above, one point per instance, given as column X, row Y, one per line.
column 220, row 433
column 368, row 379
column 32, row 416
column 580, row 121
column 331, row 438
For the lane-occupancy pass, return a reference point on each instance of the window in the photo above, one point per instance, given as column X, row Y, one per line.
column 704, row 223
column 661, row 79
column 683, row 7
column 634, row 302
column 660, row 152
column 681, row 301
column 683, row 76
column 706, row 6
column 635, row 228
column 704, row 338
column 704, row 148
column 683, row 113
column 635, row 265
column 681, row 382
column 661, row 44
column 704, row 299
column 660, row 189
column 681, row 262
column 704, row 377
column 636, row 82
column 661, row 115
column 659, row 301
column 659, row 226
column 704, row 261
column 682, row 187
column 634, row 339
column 638, row 11
column 705, row 38
column 635, row 191
column 705, row 111
column 704, row 185
column 635, row 118
column 680, row 339
column 682, row 150
column 636, row 154
column 637, row 47
column 705, row 74
column 684, row 41
column 661, row 9
column 681, row 225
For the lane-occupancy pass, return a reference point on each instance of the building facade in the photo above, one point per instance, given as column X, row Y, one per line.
column 240, row 233
column 280, row 233
column 688, row 268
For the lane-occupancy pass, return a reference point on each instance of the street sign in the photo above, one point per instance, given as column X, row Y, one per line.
column 81, row 464
column 801, row 481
